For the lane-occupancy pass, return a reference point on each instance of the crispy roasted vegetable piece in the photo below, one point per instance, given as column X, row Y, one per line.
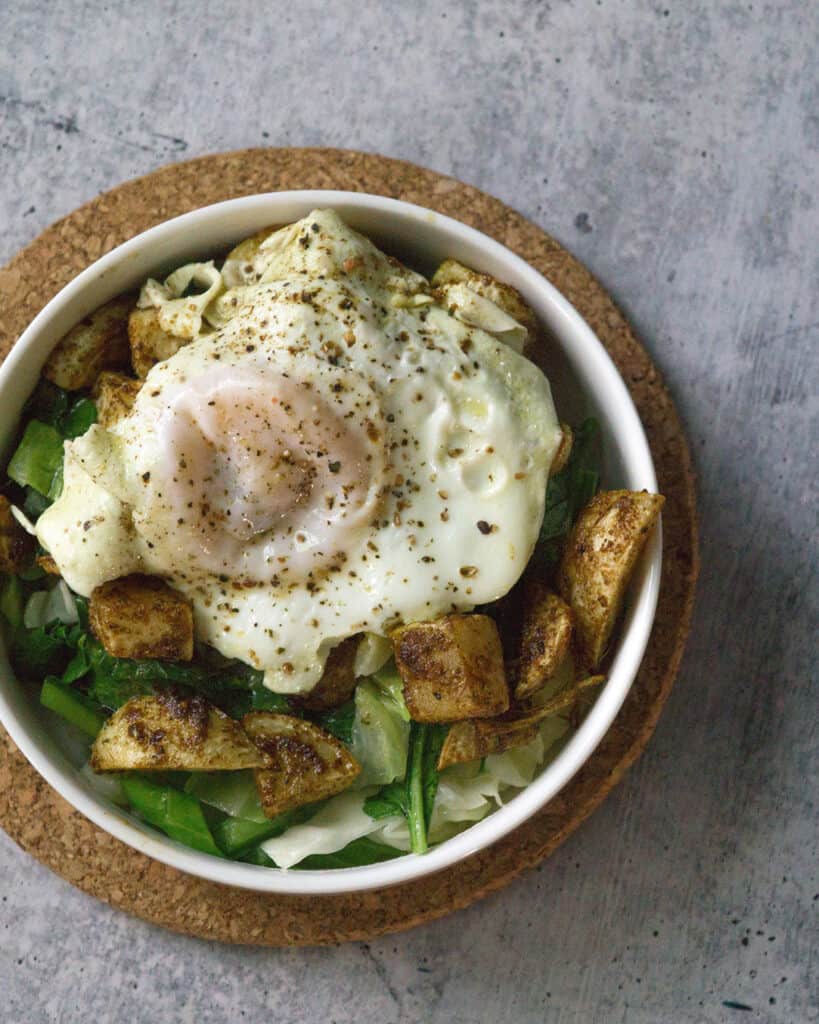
column 114, row 394
column 545, row 637
column 100, row 342
column 47, row 564
column 471, row 741
column 561, row 456
column 303, row 762
column 337, row 684
column 598, row 560
column 16, row 546
column 169, row 732
column 149, row 343
column 452, row 668
column 142, row 617
column 503, row 295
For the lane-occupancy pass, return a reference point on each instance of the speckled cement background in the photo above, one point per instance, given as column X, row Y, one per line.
column 674, row 147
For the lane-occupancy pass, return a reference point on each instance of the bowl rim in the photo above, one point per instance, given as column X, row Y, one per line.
column 589, row 359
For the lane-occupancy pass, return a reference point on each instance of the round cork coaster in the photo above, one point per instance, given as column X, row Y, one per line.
column 47, row 827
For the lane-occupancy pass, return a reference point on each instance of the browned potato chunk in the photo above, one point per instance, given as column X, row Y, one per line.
column 142, row 617
column 47, row 564
column 167, row 732
column 504, row 295
column 598, row 560
column 452, row 668
column 545, row 638
column 303, row 762
column 16, row 546
column 114, row 394
column 562, row 454
column 471, row 741
column 338, row 682
column 149, row 343
column 100, row 342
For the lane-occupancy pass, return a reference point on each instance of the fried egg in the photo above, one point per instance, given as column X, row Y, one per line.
column 331, row 453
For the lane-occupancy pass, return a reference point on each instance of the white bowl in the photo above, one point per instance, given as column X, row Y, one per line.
column 584, row 380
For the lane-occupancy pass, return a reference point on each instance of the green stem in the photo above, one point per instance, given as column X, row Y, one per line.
column 73, row 707
column 235, row 836
column 178, row 815
column 11, row 601
column 416, row 818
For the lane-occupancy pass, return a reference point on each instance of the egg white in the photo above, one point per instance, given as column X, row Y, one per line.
column 444, row 432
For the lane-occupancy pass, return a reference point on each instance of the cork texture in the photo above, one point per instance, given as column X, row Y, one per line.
column 52, row 831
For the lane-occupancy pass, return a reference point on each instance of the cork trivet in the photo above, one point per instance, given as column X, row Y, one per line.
column 57, row 835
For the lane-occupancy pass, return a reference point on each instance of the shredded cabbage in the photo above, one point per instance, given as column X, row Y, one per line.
column 46, row 606
column 372, row 653
column 180, row 316
column 24, row 521
column 478, row 311
column 466, row 794
column 380, row 734
column 341, row 820
column 108, row 787
column 234, row 793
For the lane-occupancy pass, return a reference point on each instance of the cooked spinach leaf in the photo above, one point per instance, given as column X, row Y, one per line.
column 414, row 798
column 74, row 655
column 354, row 855
column 339, row 721
column 571, row 489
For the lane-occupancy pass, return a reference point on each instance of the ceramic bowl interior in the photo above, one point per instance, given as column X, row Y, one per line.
column 584, row 381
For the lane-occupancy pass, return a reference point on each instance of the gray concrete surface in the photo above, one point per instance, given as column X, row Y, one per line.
column 673, row 147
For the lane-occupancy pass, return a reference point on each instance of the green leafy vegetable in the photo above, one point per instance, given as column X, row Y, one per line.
column 178, row 815
column 416, row 803
column 11, row 600
column 233, row 793
column 435, row 736
column 262, row 699
column 48, row 403
column 81, row 604
column 380, row 734
column 34, row 504
column 235, row 688
column 38, row 459
column 54, row 407
column 388, row 801
column 56, row 488
column 114, row 681
column 72, row 653
column 415, row 797
column 236, row 836
column 37, row 463
column 571, row 489
column 257, row 856
column 45, row 650
column 86, row 714
column 339, row 722
column 32, row 572
column 354, row 855
column 81, row 415
column 392, row 686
